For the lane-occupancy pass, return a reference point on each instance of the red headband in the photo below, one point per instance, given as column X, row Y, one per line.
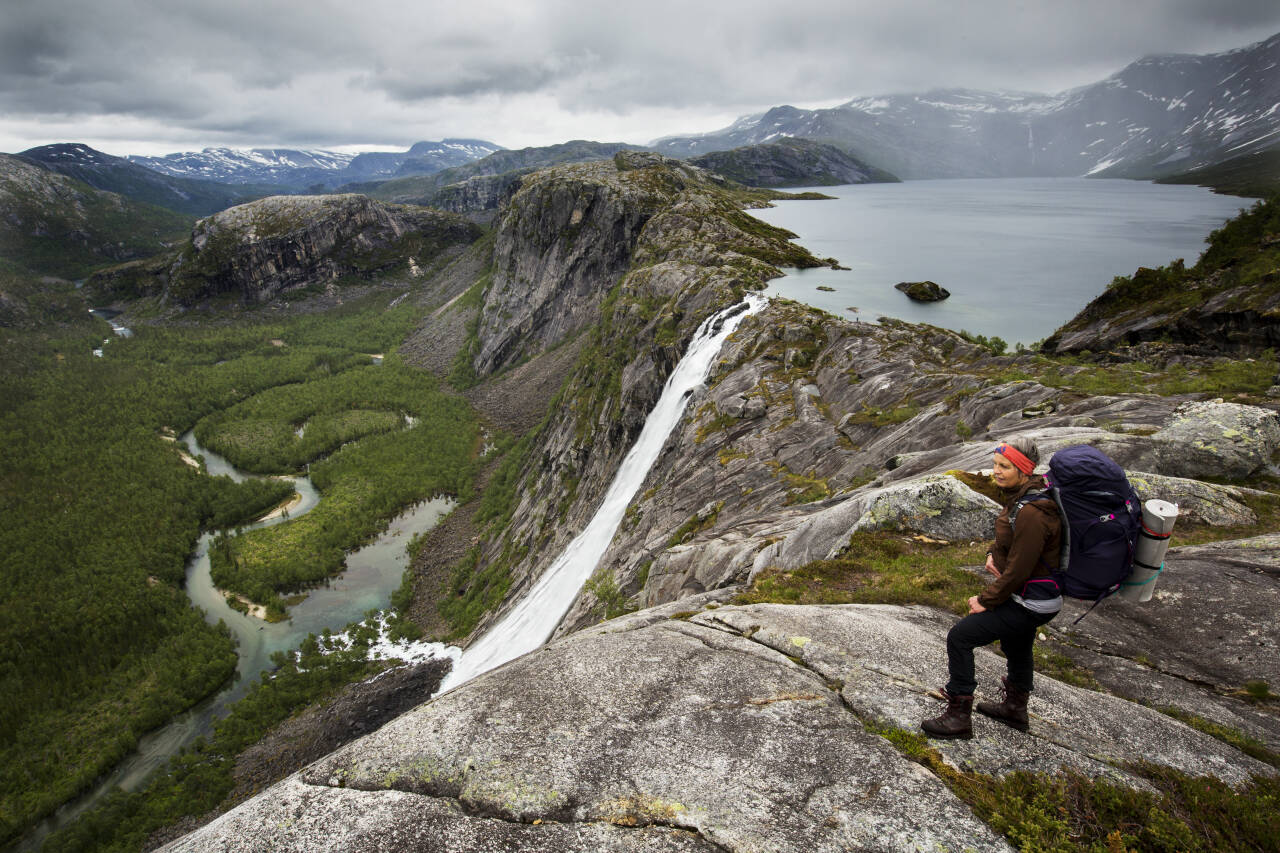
column 1019, row 460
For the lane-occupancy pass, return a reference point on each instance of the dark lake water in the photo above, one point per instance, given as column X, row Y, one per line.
column 1021, row 256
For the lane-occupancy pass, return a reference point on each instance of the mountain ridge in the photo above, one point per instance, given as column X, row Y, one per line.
column 1158, row 116
column 120, row 175
column 307, row 168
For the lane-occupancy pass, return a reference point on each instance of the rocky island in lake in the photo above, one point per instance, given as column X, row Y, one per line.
column 923, row 291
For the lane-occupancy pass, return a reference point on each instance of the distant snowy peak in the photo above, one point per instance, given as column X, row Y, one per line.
column 472, row 149
column 70, row 153
column 241, row 166
column 1158, row 116
column 300, row 169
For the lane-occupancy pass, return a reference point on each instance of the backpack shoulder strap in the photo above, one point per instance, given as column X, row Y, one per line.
column 1017, row 505
column 1051, row 494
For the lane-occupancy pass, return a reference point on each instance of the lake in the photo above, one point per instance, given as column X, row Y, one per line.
column 1021, row 256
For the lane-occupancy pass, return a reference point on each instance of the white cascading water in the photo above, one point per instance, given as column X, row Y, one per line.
column 531, row 621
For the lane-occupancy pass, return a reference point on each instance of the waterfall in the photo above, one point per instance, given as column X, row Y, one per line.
column 531, row 621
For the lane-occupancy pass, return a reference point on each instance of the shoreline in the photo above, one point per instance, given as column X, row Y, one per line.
column 254, row 611
column 281, row 508
column 167, row 435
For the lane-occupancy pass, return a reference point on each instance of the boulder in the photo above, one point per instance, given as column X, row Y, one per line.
column 923, row 291
column 938, row 506
column 1219, row 439
column 1203, row 503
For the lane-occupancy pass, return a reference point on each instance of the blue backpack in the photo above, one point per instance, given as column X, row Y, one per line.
column 1102, row 518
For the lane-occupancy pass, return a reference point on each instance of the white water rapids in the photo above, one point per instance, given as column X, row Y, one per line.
column 528, row 625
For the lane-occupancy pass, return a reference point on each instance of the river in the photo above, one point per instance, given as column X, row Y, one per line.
column 1021, row 256
column 373, row 572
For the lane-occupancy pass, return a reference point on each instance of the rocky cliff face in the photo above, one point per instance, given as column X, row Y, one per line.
column 257, row 251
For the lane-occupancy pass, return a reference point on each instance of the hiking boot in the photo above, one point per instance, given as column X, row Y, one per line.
column 955, row 720
column 1011, row 709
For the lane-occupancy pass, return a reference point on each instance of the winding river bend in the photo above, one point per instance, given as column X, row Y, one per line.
column 372, row 573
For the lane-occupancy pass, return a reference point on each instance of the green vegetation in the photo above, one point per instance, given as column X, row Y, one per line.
column 694, row 525
column 361, row 486
column 98, row 642
column 879, row 567
column 1071, row 812
column 29, row 301
column 1242, row 256
column 611, row 601
column 801, row 488
column 1055, row 664
column 995, row 344
column 719, row 422
column 886, row 417
column 200, row 778
column 1248, row 745
column 1224, row 377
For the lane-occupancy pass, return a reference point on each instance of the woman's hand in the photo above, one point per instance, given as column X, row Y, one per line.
column 991, row 566
column 974, row 606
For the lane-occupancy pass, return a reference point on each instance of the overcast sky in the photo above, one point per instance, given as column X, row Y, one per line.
column 156, row 76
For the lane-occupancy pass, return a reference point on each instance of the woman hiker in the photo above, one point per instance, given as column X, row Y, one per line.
column 1012, row 608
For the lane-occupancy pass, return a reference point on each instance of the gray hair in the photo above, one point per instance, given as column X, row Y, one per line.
column 1026, row 447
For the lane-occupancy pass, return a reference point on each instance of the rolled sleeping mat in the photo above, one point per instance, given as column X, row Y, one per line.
column 1153, row 541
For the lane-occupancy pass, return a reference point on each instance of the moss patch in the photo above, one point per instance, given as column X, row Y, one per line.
column 1249, row 746
column 1071, row 812
column 878, row 567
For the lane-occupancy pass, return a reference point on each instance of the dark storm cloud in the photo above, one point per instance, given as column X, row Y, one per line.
column 330, row 73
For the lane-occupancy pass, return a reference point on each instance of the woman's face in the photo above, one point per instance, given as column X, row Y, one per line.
column 1005, row 475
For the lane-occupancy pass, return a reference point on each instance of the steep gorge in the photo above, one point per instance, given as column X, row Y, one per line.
column 621, row 260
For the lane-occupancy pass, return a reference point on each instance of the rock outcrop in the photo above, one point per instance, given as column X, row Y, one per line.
column 255, row 252
column 742, row 728
column 923, row 291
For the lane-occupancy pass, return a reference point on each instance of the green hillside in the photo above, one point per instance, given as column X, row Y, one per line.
column 55, row 225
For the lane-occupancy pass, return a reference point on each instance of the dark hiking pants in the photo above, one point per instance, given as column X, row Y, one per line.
column 1010, row 623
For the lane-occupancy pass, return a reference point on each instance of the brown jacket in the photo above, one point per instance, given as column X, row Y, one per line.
column 1030, row 551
